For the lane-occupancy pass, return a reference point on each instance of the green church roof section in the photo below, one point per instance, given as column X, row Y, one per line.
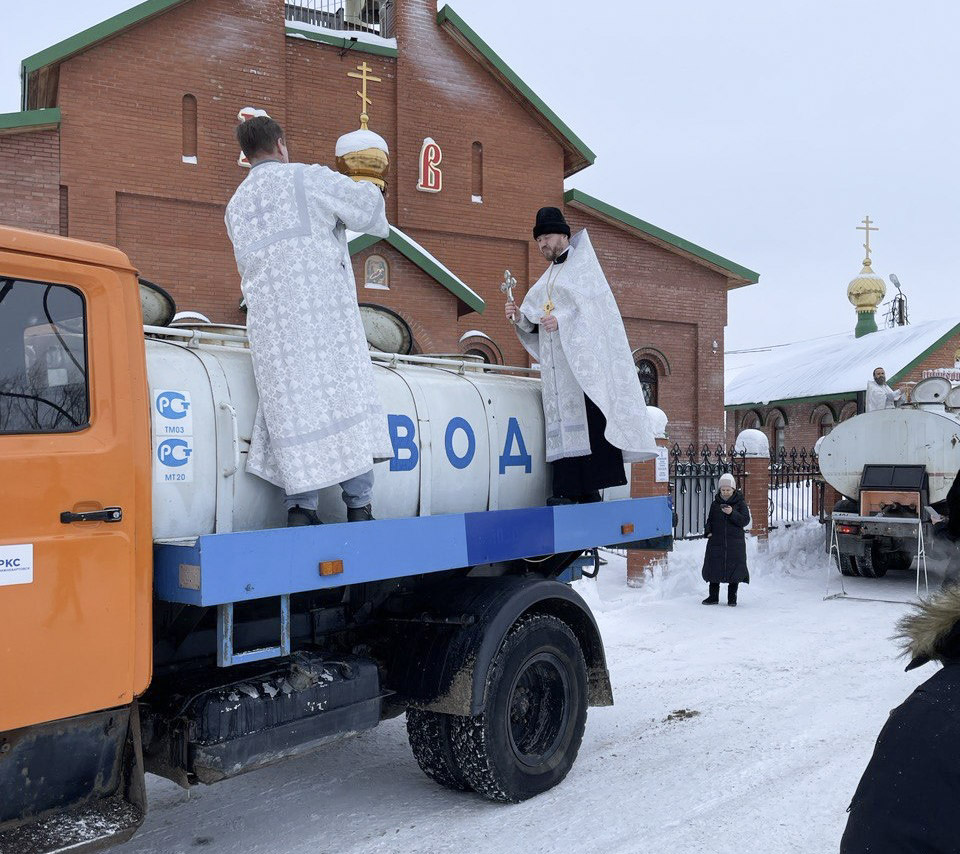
column 739, row 275
column 577, row 155
column 29, row 120
column 413, row 251
column 98, row 33
column 324, row 36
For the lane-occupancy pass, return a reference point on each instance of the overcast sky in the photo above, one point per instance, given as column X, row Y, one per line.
column 763, row 131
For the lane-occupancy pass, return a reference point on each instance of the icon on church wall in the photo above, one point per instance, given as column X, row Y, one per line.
column 376, row 273
column 431, row 177
column 245, row 115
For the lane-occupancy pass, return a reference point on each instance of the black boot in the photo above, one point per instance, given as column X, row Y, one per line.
column 299, row 517
column 360, row 514
column 732, row 595
column 713, row 595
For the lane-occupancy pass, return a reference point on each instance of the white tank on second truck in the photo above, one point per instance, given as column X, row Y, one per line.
column 904, row 436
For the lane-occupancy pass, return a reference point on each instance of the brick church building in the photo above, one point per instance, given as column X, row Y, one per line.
column 796, row 393
column 126, row 137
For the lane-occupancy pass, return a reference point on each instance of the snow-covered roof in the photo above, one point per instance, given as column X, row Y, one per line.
column 430, row 264
column 834, row 364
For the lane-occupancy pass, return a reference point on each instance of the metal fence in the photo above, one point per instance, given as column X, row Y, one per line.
column 795, row 487
column 369, row 16
column 693, row 484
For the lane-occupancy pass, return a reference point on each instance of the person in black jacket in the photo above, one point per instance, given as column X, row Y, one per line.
column 908, row 796
column 725, row 561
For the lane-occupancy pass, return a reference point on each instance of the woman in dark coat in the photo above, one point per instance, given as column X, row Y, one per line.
column 725, row 561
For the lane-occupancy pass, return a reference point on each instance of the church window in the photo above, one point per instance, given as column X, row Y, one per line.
column 751, row 421
column 477, row 173
column 189, row 110
column 779, row 428
column 376, row 273
column 826, row 423
column 647, row 372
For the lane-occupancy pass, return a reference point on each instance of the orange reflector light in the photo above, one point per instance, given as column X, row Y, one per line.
column 331, row 567
column 626, row 529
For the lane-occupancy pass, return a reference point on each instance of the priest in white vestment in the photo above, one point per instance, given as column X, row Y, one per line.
column 319, row 420
column 880, row 395
column 593, row 405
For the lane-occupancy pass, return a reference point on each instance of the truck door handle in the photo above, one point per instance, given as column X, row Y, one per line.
column 108, row 514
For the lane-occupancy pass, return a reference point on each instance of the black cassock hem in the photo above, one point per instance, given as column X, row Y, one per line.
column 574, row 477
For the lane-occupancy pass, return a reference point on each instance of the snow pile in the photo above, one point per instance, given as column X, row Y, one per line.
column 360, row 140
column 658, row 421
column 753, row 443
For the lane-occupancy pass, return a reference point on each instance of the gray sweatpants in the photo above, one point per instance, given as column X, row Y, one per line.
column 357, row 492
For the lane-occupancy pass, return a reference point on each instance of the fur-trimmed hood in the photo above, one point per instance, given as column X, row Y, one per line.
column 932, row 631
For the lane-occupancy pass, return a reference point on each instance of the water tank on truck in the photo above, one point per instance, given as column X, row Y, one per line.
column 464, row 438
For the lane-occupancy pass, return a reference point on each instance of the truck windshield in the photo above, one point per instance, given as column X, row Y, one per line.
column 43, row 373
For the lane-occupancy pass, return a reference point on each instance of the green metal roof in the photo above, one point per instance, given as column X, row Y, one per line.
column 414, row 252
column 735, row 271
column 578, row 155
column 29, row 120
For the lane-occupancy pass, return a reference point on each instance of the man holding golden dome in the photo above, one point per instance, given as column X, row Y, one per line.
column 319, row 419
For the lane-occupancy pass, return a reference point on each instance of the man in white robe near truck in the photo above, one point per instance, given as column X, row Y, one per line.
column 319, row 420
column 594, row 410
column 880, row 395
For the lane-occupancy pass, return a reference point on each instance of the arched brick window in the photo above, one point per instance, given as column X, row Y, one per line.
column 777, row 427
column 848, row 411
column 751, row 421
column 649, row 380
column 824, row 418
column 484, row 347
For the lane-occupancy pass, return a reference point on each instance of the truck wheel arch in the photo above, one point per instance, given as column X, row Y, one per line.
column 440, row 663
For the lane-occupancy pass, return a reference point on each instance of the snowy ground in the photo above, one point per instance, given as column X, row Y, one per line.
column 781, row 699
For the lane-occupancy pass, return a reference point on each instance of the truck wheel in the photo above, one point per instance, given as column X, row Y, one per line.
column 865, row 566
column 429, row 736
column 846, row 564
column 527, row 737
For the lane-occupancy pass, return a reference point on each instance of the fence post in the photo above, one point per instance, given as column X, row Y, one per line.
column 644, row 484
column 756, row 466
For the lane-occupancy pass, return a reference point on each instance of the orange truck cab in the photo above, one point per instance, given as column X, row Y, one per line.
column 198, row 658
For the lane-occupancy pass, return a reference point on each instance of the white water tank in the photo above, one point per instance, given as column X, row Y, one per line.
column 893, row 436
column 463, row 440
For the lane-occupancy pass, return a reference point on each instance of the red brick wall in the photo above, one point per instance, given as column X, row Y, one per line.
column 121, row 139
column 942, row 357
column 30, row 180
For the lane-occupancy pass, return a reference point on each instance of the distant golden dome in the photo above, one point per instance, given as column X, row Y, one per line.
column 867, row 290
column 364, row 156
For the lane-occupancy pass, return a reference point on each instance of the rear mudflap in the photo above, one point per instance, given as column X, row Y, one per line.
column 72, row 785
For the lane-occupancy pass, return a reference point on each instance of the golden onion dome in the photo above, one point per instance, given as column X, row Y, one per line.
column 364, row 156
column 867, row 290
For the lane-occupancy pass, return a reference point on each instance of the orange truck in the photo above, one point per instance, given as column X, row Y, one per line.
column 198, row 654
